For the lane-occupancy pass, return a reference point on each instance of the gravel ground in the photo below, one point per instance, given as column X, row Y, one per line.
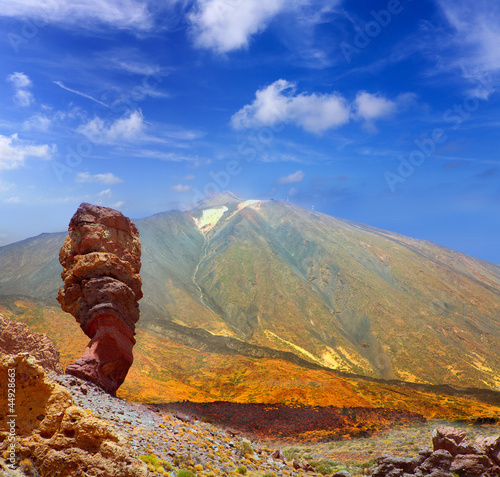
column 177, row 440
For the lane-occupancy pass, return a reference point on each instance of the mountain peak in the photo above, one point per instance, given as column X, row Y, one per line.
column 217, row 199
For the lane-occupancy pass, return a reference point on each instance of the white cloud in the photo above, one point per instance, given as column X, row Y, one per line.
column 14, row 152
column 373, row 106
column 128, row 128
column 108, row 178
column 224, row 25
column 38, row 122
column 181, row 188
column 279, row 102
column 23, row 98
column 120, row 14
column 316, row 113
column 189, row 177
column 21, row 82
column 476, row 33
column 104, row 193
column 292, row 178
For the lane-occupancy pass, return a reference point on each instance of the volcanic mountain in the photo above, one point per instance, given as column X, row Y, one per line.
column 233, row 284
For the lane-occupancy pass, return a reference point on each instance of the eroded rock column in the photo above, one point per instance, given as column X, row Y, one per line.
column 101, row 259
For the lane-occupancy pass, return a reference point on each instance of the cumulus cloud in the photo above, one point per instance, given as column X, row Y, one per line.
column 119, row 14
column 14, row 152
column 107, row 178
column 476, row 33
column 292, row 178
column 223, row 25
column 373, row 106
column 128, row 128
column 22, row 83
column 316, row 113
column 279, row 102
column 181, row 188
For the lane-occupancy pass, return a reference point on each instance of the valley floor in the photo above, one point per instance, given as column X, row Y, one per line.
column 169, row 441
column 360, row 453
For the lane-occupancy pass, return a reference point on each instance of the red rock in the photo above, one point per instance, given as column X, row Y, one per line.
column 183, row 417
column 474, row 466
column 490, row 446
column 18, row 338
column 306, row 466
column 101, row 264
column 278, row 454
column 453, row 440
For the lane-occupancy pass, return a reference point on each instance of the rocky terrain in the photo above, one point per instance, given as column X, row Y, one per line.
column 70, row 427
column 17, row 337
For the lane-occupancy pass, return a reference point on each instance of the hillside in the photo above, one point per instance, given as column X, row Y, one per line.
column 260, row 282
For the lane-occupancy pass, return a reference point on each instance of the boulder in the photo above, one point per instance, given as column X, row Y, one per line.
column 453, row 440
column 453, row 455
column 18, row 338
column 473, row 465
column 101, row 259
column 58, row 437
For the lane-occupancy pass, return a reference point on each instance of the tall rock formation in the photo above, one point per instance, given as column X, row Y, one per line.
column 101, row 259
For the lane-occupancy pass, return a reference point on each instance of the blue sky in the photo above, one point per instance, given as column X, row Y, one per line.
column 382, row 112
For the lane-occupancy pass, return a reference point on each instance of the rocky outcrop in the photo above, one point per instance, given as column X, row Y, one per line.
column 18, row 338
column 101, row 259
column 453, row 455
column 58, row 437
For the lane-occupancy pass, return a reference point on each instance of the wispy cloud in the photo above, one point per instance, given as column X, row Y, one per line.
column 107, row 178
column 292, row 178
column 181, row 188
column 119, row 14
column 476, row 35
column 61, row 85
column 38, row 122
column 14, row 152
column 22, row 96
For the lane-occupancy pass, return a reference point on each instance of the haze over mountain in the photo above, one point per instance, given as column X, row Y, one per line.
column 271, row 280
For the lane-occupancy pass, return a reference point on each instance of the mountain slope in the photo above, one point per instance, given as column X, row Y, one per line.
column 267, row 280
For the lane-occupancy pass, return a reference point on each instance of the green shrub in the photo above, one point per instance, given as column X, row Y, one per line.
column 149, row 459
column 241, row 470
column 245, row 448
column 185, row 473
column 324, row 466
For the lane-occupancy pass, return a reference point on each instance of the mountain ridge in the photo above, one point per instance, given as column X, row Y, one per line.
column 335, row 293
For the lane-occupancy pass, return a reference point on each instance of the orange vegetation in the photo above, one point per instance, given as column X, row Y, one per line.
column 164, row 371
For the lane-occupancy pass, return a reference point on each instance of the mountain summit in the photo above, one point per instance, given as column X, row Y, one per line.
column 266, row 279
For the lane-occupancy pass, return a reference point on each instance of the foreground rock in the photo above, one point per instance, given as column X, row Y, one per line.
column 101, row 259
column 18, row 338
column 56, row 437
column 453, row 455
